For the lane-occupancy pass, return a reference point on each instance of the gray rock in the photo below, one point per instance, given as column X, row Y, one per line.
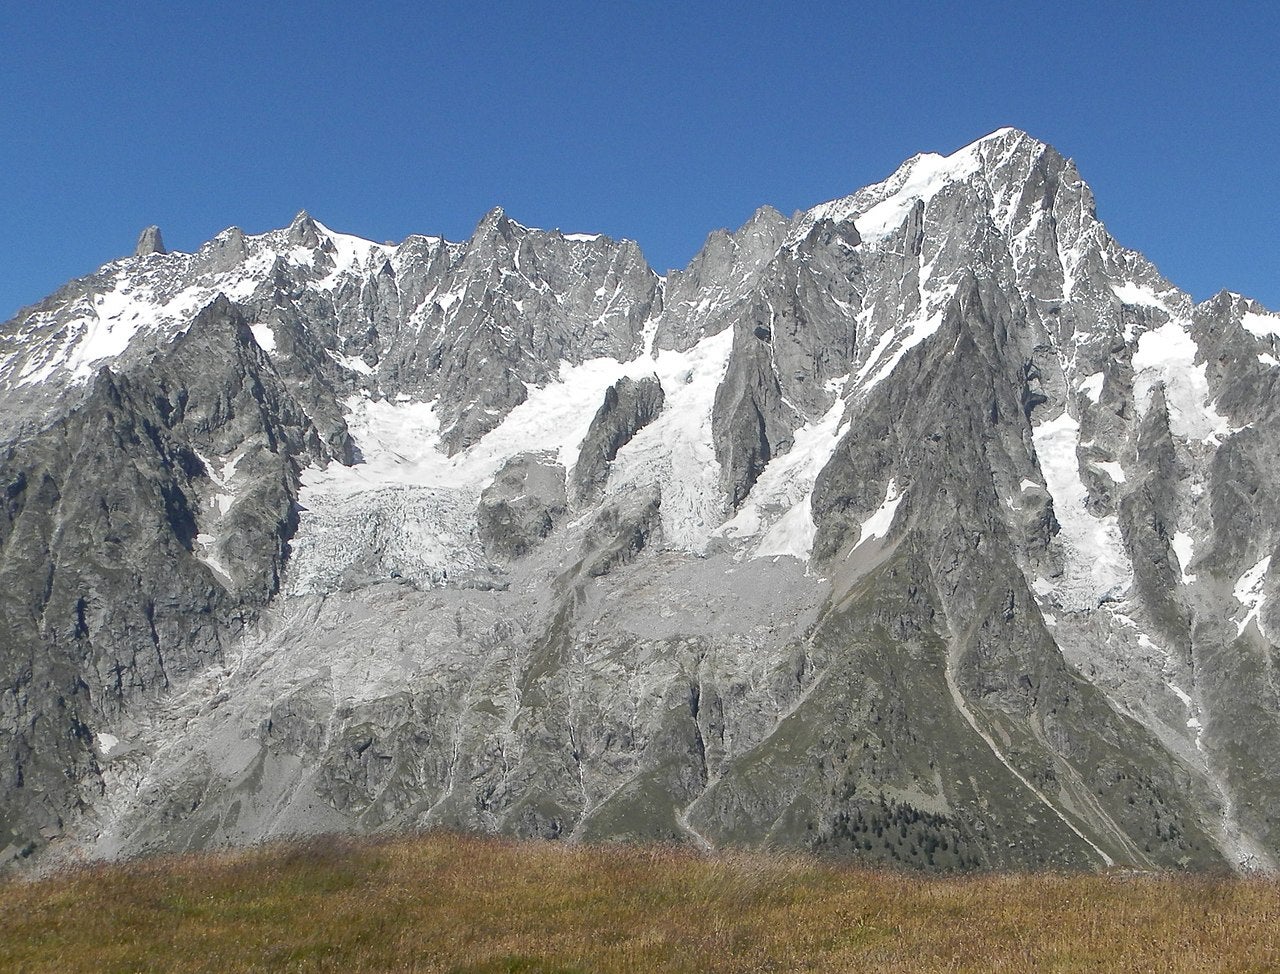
column 629, row 406
column 149, row 242
column 521, row 507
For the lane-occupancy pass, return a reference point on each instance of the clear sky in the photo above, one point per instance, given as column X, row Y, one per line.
column 654, row 121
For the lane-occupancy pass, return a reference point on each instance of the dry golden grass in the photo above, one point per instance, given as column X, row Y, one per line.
column 453, row 903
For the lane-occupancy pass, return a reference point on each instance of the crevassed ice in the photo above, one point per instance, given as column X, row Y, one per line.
column 424, row 502
column 677, row 449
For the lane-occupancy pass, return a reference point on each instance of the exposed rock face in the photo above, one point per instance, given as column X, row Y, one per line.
column 138, row 531
column 149, row 242
column 928, row 525
column 521, row 506
column 629, row 406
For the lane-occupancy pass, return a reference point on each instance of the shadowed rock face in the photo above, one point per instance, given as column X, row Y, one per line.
column 114, row 592
column 928, row 525
column 629, row 406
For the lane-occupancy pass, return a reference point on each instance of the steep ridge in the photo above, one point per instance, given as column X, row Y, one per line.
column 927, row 525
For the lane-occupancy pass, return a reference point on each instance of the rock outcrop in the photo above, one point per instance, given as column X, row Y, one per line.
column 149, row 242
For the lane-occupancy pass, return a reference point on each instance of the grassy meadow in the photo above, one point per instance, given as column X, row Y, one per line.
column 453, row 903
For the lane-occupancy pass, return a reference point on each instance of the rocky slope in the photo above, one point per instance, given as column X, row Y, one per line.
column 927, row 525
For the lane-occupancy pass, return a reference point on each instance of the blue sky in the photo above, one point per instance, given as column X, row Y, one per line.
column 658, row 122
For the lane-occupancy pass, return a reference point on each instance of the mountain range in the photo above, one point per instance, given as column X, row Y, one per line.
column 929, row 526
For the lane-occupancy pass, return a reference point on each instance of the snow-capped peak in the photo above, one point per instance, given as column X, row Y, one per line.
column 881, row 208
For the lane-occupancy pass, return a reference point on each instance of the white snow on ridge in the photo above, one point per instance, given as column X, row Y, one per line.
column 1165, row 356
column 169, row 291
column 1142, row 295
column 351, row 255
column 880, row 209
column 1097, row 567
column 1261, row 325
column 920, row 178
column 927, row 176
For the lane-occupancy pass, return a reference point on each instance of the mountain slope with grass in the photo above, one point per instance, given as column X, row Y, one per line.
column 447, row 903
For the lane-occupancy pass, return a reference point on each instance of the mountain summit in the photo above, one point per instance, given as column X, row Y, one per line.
column 929, row 525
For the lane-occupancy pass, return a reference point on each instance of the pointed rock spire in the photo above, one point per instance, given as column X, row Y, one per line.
column 149, row 242
column 303, row 231
column 495, row 219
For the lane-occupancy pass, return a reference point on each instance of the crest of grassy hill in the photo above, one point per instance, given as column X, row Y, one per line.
column 463, row 904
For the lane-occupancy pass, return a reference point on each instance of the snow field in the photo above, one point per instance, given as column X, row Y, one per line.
column 1097, row 566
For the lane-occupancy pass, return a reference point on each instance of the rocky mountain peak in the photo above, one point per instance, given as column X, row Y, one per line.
column 149, row 242
column 926, row 525
column 303, row 231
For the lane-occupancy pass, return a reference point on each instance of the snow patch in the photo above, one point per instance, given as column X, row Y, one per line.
column 1166, row 357
column 1261, row 325
column 1092, row 386
column 207, row 552
column 1184, row 547
column 1248, row 592
column 1142, row 295
column 264, row 336
column 879, row 523
column 353, row 363
column 107, row 743
column 1096, row 566
column 1111, row 469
